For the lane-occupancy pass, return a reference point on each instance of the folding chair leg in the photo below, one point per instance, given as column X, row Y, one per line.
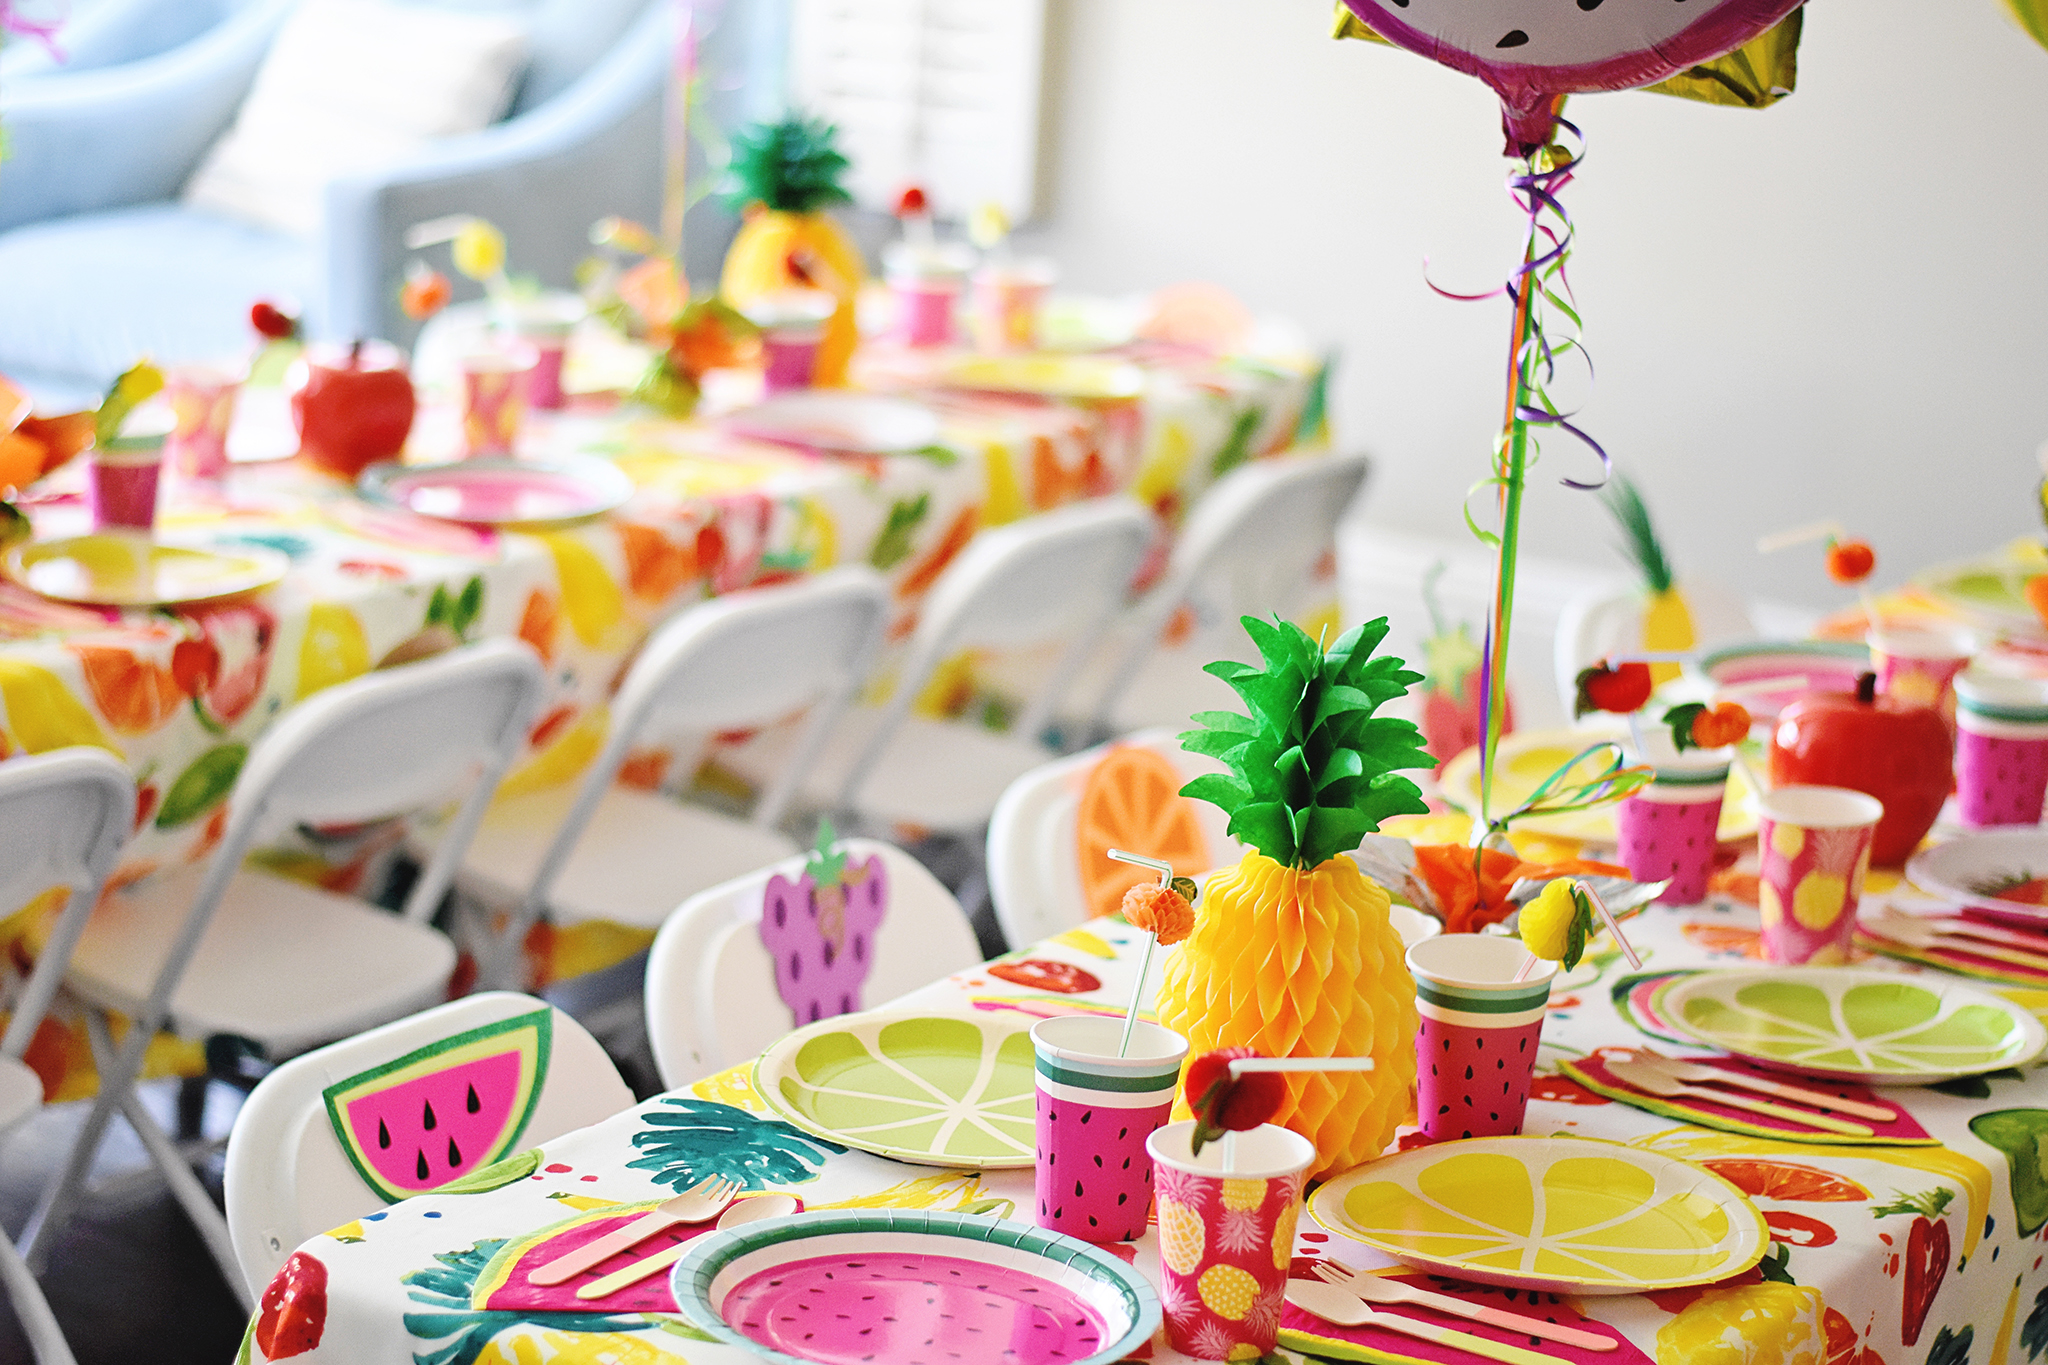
column 117, row 1077
column 198, row 1204
column 33, row 1310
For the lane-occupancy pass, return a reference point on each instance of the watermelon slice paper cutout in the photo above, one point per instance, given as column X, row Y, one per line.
column 445, row 1110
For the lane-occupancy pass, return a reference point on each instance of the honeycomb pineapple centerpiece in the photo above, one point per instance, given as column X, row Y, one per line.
column 1292, row 952
column 784, row 175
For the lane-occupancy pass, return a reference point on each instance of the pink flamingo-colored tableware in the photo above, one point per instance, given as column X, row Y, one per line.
column 1920, row 666
column 1670, row 828
column 494, row 399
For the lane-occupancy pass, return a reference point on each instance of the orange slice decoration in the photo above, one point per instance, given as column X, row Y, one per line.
column 1787, row 1180
column 1132, row 801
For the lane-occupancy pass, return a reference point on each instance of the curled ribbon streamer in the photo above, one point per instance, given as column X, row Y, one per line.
column 1555, row 796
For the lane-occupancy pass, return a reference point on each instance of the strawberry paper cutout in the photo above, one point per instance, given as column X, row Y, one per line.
column 820, row 930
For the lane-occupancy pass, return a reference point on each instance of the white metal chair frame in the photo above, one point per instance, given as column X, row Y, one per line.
column 1243, row 527
column 300, row 771
column 716, row 666
column 287, row 1177
column 1060, row 573
column 691, row 970
column 64, row 817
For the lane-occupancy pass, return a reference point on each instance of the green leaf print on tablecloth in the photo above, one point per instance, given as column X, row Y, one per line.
column 462, row 1331
column 202, row 786
column 687, row 1140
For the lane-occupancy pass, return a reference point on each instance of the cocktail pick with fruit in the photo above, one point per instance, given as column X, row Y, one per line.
column 1556, row 926
column 1850, row 561
column 1235, row 1089
column 1164, row 912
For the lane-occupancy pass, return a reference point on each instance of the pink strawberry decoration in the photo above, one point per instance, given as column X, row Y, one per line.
column 820, row 930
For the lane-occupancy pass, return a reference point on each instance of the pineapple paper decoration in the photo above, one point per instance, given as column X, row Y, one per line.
column 1293, row 953
column 784, row 175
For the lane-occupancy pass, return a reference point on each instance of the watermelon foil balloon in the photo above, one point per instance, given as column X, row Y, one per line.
column 1535, row 52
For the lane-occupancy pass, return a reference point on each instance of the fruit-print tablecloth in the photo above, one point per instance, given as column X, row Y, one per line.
column 180, row 693
column 1929, row 1255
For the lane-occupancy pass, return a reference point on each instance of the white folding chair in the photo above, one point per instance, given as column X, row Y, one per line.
column 713, row 994
column 63, row 818
column 220, row 949
column 1034, row 872
column 289, row 1176
column 1608, row 620
column 1248, row 547
column 599, row 851
column 1057, row 576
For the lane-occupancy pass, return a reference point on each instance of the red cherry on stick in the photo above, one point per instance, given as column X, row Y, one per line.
column 1226, row 1104
column 272, row 322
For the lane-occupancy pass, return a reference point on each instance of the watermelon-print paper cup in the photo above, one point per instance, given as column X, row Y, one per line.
column 1669, row 829
column 1226, row 1239
column 1095, row 1111
column 1475, row 1042
column 2001, row 749
column 1813, row 847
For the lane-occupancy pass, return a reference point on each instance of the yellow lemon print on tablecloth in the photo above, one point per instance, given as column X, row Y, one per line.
column 333, row 650
column 1180, row 1236
column 1760, row 1324
column 1243, row 1194
column 590, row 594
column 1788, row 841
column 1818, row 899
column 42, row 712
column 1283, row 1236
column 1227, row 1291
column 1769, row 908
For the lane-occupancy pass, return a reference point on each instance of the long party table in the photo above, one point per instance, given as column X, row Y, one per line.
column 179, row 692
column 1875, row 1247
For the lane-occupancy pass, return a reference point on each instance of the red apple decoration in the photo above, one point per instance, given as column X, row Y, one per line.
column 353, row 406
column 1900, row 754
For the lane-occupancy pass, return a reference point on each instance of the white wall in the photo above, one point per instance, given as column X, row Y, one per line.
column 1837, row 307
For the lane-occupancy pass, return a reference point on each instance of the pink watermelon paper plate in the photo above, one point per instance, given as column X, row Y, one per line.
column 500, row 492
column 913, row 1288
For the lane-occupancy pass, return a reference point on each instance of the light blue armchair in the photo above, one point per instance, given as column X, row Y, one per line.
column 99, row 263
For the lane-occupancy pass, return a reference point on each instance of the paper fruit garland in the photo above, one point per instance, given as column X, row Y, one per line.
column 1535, row 52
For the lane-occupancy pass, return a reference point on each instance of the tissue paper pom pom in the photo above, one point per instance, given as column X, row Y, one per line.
column 1159, row 910
column 1850, row 561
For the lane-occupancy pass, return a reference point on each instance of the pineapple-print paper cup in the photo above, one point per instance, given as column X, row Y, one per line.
column 494, row 399
column 1669, row 829
column 1096, row 1108
column 2001, row 749
column 1477, row 1034
column 1226, row 1238
column 1813, row 847
column 1919, row 667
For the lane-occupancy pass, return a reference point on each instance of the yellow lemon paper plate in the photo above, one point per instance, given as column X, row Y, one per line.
column 1557, row 1215
column 110, row 569
column 1527, row 757
column 939, row 1090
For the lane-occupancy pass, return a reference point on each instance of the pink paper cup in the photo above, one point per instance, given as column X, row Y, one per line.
column 1095, row 1112
column 1919, row 667
column 924, row 308
column 203, row 403
column 1671, row 828
column 1813, row 847
column 124, row 473
column 2001, row 749
column 1008, row 301
column 791, row 356
column 1476, row 1040
column 1227, row 1239
column 494, row 399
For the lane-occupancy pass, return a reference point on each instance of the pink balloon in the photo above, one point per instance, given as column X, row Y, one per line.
column 1533, row 52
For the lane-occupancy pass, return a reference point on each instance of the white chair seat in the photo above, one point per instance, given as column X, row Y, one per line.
column 21, row 1092
column 934, row 776
column 640, row 856
column 351, row 965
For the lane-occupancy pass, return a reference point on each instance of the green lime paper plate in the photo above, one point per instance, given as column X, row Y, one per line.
column 1846, row 1025
column 941, row 1090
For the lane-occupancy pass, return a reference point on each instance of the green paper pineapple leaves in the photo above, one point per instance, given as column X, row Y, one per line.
column 1313, row 770
column 791, row 166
